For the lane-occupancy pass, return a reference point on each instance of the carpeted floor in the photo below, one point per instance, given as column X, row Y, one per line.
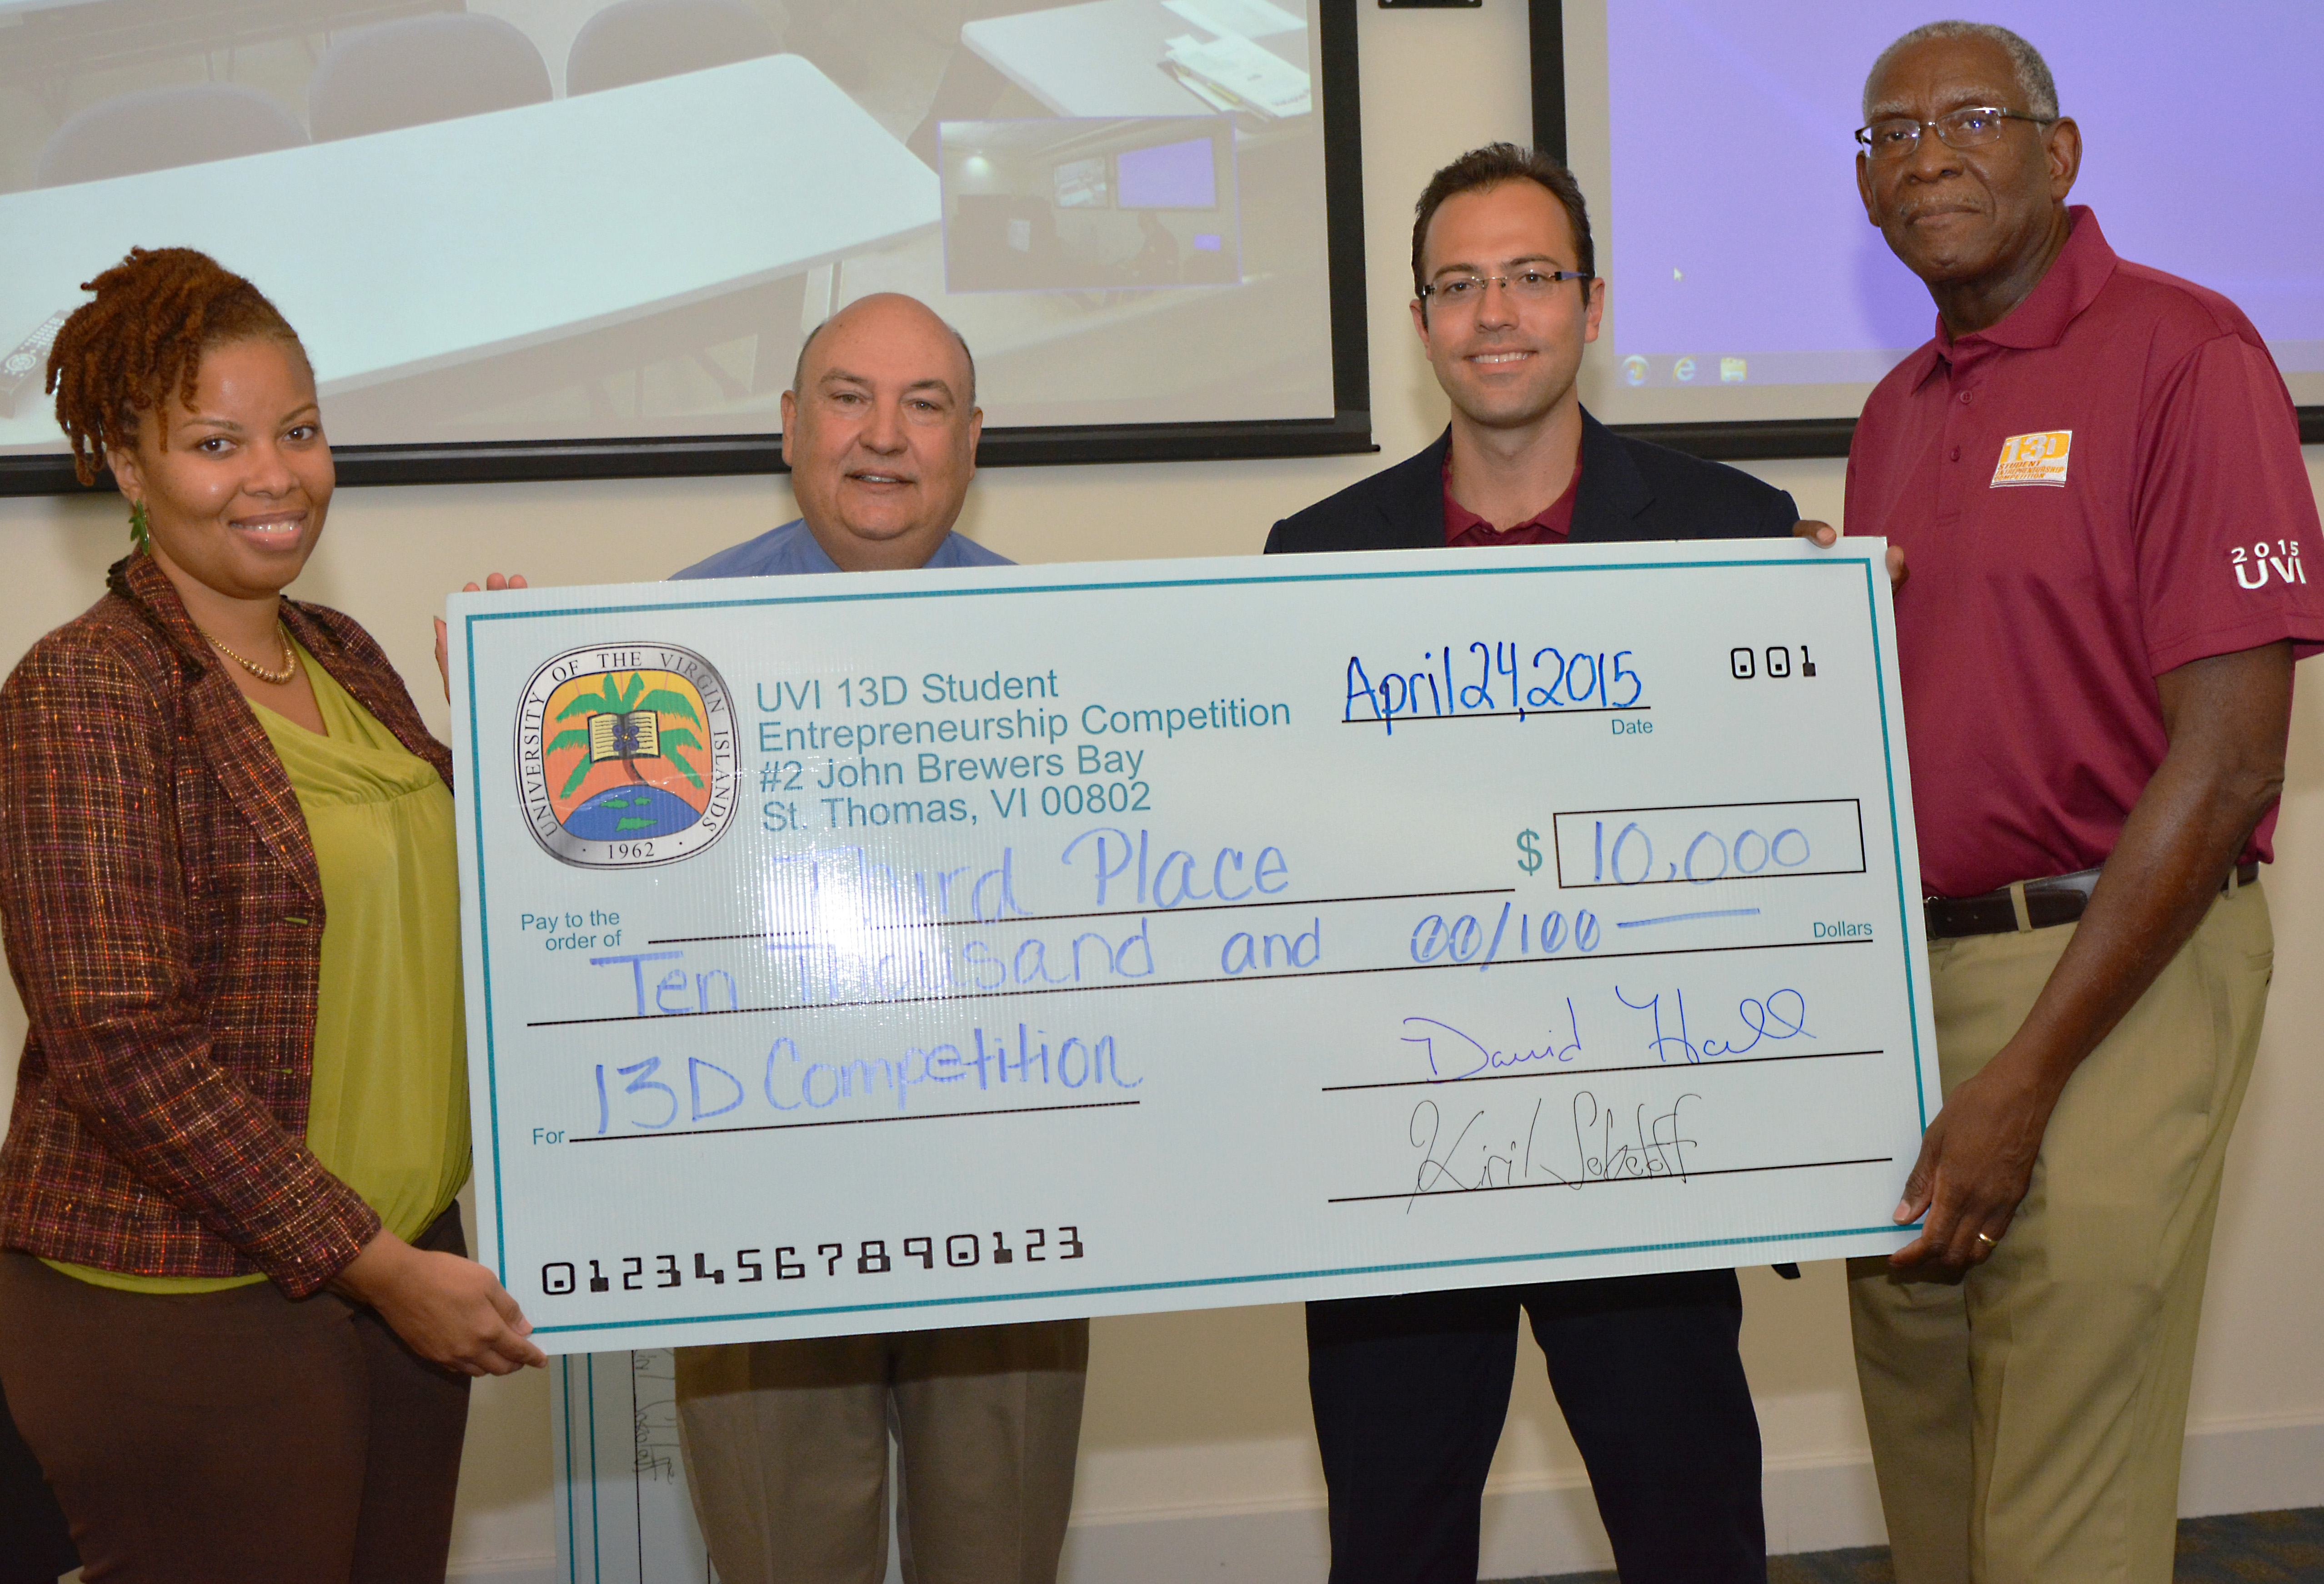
column 2241, row 1547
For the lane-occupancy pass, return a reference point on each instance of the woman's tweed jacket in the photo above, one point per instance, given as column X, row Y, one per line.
column 164, row 923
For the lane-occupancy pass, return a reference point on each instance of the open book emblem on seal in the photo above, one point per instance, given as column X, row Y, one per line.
column 625, row 755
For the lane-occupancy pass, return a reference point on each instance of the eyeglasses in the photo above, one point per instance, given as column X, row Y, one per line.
column 1459, row 291
column 1895, row 136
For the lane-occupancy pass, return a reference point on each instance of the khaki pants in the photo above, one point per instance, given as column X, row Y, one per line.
column 786, row 1448
column 2026, row 1419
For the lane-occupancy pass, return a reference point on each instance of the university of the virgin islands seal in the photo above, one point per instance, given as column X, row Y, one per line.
column 625, row 755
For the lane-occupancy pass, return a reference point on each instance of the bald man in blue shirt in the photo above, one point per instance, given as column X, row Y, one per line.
column 787, row 1442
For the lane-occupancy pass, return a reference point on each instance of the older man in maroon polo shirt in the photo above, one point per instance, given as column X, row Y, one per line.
column 2095, row 472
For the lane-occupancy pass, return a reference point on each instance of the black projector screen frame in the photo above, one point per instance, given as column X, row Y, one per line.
column 1347, row 432
column 1733, row 440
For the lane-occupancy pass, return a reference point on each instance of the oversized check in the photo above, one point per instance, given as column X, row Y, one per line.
column 861, row 952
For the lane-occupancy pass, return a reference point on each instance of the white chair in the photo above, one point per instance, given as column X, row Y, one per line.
column 159, row 129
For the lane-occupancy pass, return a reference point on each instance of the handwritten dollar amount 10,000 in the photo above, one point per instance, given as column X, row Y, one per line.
column 1786, row 850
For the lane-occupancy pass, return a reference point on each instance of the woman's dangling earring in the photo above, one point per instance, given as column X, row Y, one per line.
column 141, row 528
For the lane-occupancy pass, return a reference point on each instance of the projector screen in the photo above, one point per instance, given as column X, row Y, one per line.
column 540, row 238
column 1715, row 142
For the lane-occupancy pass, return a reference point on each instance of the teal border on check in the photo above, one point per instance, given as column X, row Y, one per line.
column 470, row 623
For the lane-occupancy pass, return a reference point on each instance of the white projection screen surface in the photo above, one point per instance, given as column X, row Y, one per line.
column 1715, row 143
column 599, row 226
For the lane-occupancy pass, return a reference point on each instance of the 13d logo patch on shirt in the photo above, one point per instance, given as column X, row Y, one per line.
column 2033, row 459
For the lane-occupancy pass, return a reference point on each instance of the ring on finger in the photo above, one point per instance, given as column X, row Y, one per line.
column 1987, row 1241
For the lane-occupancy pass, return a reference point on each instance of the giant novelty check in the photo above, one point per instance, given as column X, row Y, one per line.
column 890, row 951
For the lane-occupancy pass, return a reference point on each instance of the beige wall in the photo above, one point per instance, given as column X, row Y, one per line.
column 1207, row 1412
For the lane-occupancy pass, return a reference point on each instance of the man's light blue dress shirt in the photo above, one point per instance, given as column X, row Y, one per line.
column 781, row 551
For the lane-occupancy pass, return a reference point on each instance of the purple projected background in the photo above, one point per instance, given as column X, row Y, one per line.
column 1170, row 176
column 1737, row 233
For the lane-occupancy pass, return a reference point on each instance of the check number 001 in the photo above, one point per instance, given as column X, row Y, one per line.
column 640, row 1273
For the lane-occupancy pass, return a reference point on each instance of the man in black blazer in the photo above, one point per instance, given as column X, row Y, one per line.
column 1628, row 490
column 1410, row 1392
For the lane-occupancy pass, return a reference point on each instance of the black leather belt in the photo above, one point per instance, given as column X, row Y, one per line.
column 2059, row 900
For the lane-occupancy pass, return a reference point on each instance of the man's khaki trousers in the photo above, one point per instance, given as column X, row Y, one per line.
column 2026, row 1419
column 786, row 1448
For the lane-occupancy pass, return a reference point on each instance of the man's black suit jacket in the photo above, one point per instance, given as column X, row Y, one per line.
column 1410, row 1392
column 1630, row 490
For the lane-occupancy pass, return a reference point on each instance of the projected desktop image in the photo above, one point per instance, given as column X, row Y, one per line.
column 1770, row 296
column 1056, row 205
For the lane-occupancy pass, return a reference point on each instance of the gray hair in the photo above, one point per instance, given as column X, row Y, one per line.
column 2033, row 79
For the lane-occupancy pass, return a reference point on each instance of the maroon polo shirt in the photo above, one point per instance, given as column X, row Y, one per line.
column 2100, row 488
column 1551, row 525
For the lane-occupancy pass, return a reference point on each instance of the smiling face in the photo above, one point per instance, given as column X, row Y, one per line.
column 881, row 434
column 1507, row 364
column 1969, row 220
column 236, row 482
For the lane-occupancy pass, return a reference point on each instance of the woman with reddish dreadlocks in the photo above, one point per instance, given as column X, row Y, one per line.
column 237, row 1323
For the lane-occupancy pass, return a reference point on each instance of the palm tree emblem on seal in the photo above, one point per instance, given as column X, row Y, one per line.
column 626, row 754
column 628, row 778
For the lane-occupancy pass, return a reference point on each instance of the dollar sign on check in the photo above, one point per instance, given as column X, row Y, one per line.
column 1531, row 860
